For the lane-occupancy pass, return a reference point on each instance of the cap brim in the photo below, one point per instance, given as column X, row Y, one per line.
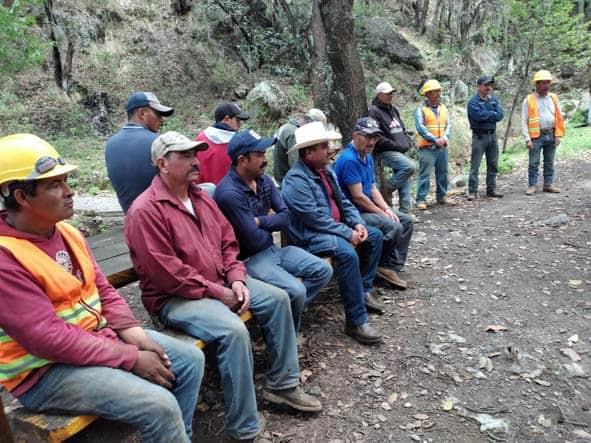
column 243, row 116
column 164, row 110
column 58, row 170
column 199, row 145
column 370, row 131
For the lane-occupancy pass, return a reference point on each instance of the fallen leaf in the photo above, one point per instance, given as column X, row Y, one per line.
column 447, row 405
column 496, row 328
column 305, row 375
column 571, row 353
column 407, row 404
column 404, row 396
column 574, row 338
column 386, row 406
column 575, row 283
column 421, row 416
column 546, row 422
column 542, row 382
column 393, row 397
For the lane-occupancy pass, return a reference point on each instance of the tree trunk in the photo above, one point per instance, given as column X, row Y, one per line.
column 319, row 73
column 182, row 7
column 348, row 93
column 62, row 70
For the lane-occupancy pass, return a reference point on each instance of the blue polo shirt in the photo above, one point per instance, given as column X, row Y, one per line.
column 128, row 155
column 351, row 169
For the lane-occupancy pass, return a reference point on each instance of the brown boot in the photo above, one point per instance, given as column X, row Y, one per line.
column 531, row 190
column 551, row 188
column 391, row 277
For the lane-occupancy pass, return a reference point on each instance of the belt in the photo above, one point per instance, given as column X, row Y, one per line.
column 483, row 131
column 549, row 131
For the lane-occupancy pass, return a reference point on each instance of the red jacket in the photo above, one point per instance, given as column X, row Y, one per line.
column 214, row 162
column 177, row 254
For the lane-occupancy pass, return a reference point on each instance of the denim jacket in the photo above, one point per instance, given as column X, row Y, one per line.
column 311, row 225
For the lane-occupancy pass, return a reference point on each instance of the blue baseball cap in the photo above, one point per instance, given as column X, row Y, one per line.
column 244, row 142
column 367, row 126
column 141, row 99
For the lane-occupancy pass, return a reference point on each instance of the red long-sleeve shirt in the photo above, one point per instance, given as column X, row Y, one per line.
column 176, row 253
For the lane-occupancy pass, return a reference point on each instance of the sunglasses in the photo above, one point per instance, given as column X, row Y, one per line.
column 45, row 164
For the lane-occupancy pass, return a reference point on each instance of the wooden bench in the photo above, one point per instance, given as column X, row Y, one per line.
column 112, row 256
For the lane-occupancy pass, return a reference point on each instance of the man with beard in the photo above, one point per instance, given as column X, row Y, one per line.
column 251, row 202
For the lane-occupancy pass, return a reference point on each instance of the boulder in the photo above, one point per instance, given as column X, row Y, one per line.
column 568, row 107
column 267, row 101
column 379, row 35
column 486, row 60
column 460, row 92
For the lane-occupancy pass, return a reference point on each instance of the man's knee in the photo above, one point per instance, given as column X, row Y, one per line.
column 347, row 255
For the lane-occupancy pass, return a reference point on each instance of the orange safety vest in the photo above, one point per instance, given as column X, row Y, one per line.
column 75, row 302
column 435, row 124
column 533, row 117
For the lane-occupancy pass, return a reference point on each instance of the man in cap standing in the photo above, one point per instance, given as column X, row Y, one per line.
column 186, row 256
column 127, row 152
column 324, row 222
column 433, row 126
column 355, row 170
column 484, row 111
column 392, row 145
column 542, row 126
column 215, row 162
column 251, row 202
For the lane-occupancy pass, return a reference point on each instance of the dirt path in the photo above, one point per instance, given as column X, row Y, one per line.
column 441, row 376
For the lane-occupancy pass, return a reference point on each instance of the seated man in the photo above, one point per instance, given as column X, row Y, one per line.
column 251, row 202
column 68, row 342
column 324, row 222
column 185, row 254
column 355, row 171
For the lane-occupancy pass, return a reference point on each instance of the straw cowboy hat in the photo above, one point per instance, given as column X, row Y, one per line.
column 312, row 134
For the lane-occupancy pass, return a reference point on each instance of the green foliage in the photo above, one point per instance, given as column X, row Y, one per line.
column 576, row 141
column 20, row 47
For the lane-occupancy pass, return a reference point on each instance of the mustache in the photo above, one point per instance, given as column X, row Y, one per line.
column 264, row 165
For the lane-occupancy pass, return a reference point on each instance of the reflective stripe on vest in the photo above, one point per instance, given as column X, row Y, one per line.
column 75, row 302
column 435, row 124
column 533, row 117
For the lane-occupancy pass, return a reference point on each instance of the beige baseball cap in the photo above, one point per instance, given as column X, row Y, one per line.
column 174, row 141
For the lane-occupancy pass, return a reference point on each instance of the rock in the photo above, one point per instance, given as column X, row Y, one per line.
column 582, row 434
column 575, row 370
column 556, row 221
column 486, row 59
column 241, row 91
column 459, row 181
column 568, row 107
column 384, row 40
column 460, row 92
column 267, row 101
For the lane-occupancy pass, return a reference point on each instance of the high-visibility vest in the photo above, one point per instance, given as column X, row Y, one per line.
column 435, row 124
column 75, row 302
column 533, row 117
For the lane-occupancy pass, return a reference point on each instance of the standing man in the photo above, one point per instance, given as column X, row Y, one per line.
column 355, row 170
column 186, row 256
column 484, row 111
column 434, row 130
column 542, row 126
column 324, row 222
column 286, row 139
column 127, row 152
column 68, row 341
column 251, row 202
column 215, row 162
column 392, row 145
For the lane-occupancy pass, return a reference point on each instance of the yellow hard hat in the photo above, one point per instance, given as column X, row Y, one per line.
column 28, row 157
column 542, row 75
column 430, row 85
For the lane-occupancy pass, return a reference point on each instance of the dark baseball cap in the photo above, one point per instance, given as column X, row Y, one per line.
column 229, row 109
column 367, row 126
column 141, row 99
column 244, row 142
column 486, row 80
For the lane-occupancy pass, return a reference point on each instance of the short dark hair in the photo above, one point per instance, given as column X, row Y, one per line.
column 131, row 114
column 235, row 160
column 29, row 187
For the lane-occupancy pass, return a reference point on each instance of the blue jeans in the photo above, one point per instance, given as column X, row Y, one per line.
column 284, row 267
column 429, row 158
column 544, row 143
column 483, row 144
column 397, row 237
column 355, row 271
column 213, row 322
column 402, row 170
column 115, row 394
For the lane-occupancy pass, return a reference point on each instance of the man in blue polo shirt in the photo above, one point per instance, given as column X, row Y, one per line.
column 128, row 152
column 251, row 202
column 355, row 171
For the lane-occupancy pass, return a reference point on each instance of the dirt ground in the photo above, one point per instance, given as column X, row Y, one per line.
column 492, row 342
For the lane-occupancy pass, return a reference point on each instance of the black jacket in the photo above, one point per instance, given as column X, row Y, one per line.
column 391, row 124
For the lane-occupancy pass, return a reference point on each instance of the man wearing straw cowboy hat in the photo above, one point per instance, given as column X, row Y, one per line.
column 324, row 222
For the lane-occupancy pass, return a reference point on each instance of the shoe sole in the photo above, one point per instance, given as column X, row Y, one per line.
column 362, row 340
column 393, row 283
column 551, row 192
column 273, row 398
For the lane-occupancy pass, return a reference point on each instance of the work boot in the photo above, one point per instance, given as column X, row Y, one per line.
column 413, row 218
column 364, row 334
column 293, row 397
column 531, row 190
column 373, row 304
column 421, row 205
column 551, row 188
column 391, row 277
column 472, row 196
column 493, row 194
column 445, row 201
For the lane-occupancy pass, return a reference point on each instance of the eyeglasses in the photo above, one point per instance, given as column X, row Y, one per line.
column 45, row 164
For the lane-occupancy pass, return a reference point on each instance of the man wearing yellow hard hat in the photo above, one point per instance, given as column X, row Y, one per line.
column 542, row 126
column 68, row 341
column 434, row 130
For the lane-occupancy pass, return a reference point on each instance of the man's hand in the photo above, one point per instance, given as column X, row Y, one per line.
column 138, row 337
column 556, row 141
column 391, row 214
column 242, row 295
column 355, row 238
column 150, row 367
column 229, row 299
column 440, row 143
column 362, row 232
column 529, row 144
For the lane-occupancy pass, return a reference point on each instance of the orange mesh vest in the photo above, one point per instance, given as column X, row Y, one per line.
column 75, row 302
column 533, row 117
column 434, row 124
